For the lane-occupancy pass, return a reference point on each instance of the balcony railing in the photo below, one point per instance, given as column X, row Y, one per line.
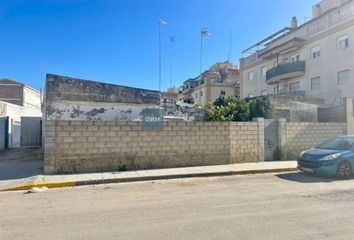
column 294, row 93
column 284, row 71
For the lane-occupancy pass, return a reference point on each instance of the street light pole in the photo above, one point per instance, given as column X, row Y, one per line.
column 172, row 40
column 230, row 50
column 203, row 33
column 161, row 22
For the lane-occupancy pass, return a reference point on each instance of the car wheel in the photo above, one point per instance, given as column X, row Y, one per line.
column 344, row 170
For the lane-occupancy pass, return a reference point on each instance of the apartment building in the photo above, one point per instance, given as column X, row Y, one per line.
column 315, row 59
column 221, row 80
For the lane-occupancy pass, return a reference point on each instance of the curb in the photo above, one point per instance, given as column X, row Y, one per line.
column 145, row 178
column 48, row 185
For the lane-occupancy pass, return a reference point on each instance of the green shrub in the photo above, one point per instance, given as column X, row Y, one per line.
column 232, row 109
column 277, row 155
column 123, row 168
column 259, row 106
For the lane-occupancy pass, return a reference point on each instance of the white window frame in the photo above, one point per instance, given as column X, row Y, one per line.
column 264, row 93
column 294, row 84
column 250, row 95
column 264, row 70
column 315, row 52
column 295, row 58
column 275, row 90
column 222, row 93
column 250, row 75
column 343, row 39
column 340, row 78
column 319, row 83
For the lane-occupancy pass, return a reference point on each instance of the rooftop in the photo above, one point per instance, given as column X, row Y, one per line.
column 8, row 81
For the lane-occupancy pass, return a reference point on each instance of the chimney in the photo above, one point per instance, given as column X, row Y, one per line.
column 294, row 23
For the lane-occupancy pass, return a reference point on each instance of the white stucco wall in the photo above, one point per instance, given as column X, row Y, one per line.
column 94, row 111
column 31, row 98
column 15, row 112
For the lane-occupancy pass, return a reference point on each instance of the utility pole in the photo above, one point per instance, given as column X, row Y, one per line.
column 203, row 33
column 230, row 50
column 161, row 22
column 172, row 40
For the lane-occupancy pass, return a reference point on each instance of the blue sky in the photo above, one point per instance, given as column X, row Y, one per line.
column 116, row 41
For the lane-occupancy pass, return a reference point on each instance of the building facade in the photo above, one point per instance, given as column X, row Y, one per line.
column 19, row 94
column 18, row 100
column 314, row 60
column 221, row 80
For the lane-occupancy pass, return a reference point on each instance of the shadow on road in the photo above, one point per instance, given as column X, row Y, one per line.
column 20, row 163
column 304, row 178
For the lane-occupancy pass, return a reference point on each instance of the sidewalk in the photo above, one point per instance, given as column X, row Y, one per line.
column 70, row 180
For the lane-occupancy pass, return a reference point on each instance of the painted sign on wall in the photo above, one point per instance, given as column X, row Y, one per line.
column 152, row 119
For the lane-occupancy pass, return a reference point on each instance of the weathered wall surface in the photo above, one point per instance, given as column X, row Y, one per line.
column 95, row 111
column 332, row 114
column 76, row 99
column 61, row 88
column 292, row 109
column 86, row 146
column 295, row 137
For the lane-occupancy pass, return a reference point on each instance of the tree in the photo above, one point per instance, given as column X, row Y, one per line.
column 259, row 106
column 231, row 109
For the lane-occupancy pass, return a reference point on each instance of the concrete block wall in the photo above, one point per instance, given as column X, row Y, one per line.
column 295, row 137
column 247, row 141
column 85, row 146
column 349, row 104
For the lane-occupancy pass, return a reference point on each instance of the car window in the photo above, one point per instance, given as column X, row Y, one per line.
column 341, row 143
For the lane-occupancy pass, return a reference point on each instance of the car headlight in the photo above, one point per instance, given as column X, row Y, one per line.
column 302, row 153
column 331, row 157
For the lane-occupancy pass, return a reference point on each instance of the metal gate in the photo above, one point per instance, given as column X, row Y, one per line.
column 270, row 138
column 4, row 132
column 31, row 131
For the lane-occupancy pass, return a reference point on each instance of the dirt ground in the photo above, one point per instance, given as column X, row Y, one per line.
column 18, row 163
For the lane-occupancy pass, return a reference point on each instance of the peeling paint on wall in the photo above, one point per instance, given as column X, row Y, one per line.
column 76, row 99
column 91, row 111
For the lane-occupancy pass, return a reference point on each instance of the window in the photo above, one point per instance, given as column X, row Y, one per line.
column 295, row 58
column 196, row 95
column 315, row 83
column 250, row 95
column 294, row 87
column 201, row 93
column 264, row 71
column 343, row 42
column 250, row 76
column 264, row 92
column 222, row 93
column 315, row 52
column 275, row 91
column 343, row 77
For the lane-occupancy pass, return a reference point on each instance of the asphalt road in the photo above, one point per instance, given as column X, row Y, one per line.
column 265, row 206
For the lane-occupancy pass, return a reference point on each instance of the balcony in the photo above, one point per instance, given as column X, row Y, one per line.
column 294, row 93
column 285, row 71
